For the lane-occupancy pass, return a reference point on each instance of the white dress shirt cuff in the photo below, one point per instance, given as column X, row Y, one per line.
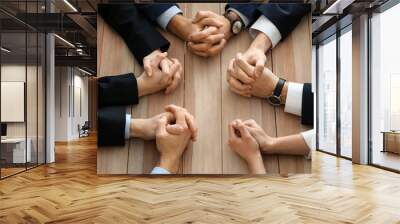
column 264, row 25
column 242, row 17
column 309, row 138
column 159, row 170
column 127, row 125
column 166, row 16
column 294, row 98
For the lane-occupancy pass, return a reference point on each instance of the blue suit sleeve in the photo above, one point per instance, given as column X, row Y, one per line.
column 284, row 16
column 153, row 11
column 249, row 10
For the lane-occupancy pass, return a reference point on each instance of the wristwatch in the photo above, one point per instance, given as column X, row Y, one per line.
column 237, row 24
column 275, row 98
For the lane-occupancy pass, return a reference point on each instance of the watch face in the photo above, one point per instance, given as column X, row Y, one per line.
column 274, row 100
column 237, row 27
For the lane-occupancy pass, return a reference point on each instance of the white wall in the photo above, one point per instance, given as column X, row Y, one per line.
column 70, row 84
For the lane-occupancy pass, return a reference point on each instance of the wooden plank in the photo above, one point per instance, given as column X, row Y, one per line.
column 136, row 160
column 292, row 61
column 271, row 162
column 203, row 99
column 143, row 155
column 113, row 57
column 235, row 106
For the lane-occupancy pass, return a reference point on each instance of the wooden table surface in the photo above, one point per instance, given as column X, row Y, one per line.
column 205, row 93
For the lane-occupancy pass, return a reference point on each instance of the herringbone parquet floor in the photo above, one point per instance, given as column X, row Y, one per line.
column 69, row 191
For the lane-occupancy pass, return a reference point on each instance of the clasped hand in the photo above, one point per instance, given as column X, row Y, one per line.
column 210, row 33
column 248, row 77
column 160, row 73
column 173, row 135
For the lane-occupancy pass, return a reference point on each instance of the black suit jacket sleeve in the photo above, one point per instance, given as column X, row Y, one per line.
column 307, row 108
column 119, row 90
column 111, row 126
column 153, row 11
column 284, row 16
column 139, row 35
column 114, row 94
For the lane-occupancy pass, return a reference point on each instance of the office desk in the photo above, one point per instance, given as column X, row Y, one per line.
column 13, row 150
column 204, row 92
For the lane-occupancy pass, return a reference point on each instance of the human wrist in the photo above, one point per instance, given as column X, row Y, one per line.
column 261, row 42
column 268, row 145
column 143, row 89
column 169, row 162
column 178, row 25
column 256, row 165
column 284, row 92
column 142, row 128
column 228, row 33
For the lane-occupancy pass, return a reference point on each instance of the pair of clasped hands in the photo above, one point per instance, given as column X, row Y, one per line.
column 206, row 35
column 246, row 75
column 176, row 127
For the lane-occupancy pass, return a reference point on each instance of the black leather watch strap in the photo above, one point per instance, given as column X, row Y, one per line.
column 279, row 87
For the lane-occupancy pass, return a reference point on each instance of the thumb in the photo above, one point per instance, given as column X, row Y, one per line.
column 260, row 63
column 174, row 129
column 158, row 58
column 251, row 130
column 244, row 132
column 199, row 16
column 161, row 126
column 147, row 67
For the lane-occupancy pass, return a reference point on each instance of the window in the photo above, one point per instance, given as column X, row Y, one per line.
column 327, row 96
column 385, row 89
column 346, row 93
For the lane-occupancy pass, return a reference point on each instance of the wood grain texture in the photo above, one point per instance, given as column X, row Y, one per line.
column 271, row 162
column 203, row 99
column 143, row 155
column 70, row 191
column 292, row 61
column 235, row 106
column 205, row 93
column 92, row 107
column 110, row 47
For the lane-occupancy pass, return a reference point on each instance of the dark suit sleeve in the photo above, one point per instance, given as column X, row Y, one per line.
column 247, row 9
column 120, row 90
column 111, row 126
column 307, row 110
column 114, row 94
column 284, row 16
column 139, row 35
column 153, row 11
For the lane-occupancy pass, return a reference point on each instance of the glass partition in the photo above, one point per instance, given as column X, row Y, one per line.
column 14, row 145
column 22, row 78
